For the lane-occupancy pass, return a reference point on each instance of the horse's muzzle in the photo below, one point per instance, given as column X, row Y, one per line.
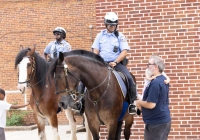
column 62, row 105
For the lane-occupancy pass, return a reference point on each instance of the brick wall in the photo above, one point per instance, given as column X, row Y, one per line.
column 169, row 28
column 32, row 22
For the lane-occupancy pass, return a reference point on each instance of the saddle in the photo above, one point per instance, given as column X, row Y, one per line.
column 121, row 79
column 124, row 85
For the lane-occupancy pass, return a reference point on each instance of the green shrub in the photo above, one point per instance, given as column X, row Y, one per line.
column 15, row 118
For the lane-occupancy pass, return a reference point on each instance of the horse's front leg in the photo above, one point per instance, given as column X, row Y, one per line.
column 94, row 124
column 53, row 120
column 119, row 129
column 40, row 121
column 112, row 129
column 88, row 132
column 72, row 123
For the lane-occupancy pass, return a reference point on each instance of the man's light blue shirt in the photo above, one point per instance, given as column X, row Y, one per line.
column 53, row 46
column 105, row 43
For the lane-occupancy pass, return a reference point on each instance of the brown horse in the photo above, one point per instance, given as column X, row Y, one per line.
column 33, row 73
column 103, row 100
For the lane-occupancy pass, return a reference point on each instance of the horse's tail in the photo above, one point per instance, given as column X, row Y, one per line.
column 134, row 79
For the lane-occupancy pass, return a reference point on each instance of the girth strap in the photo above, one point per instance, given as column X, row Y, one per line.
column 96, row 108
column 37, row 105
column 95, row 102
column 38, row 101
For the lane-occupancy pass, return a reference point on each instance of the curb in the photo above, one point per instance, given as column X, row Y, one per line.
column 20, row 128
column 79, row 129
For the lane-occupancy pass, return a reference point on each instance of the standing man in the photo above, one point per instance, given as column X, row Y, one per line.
column 59, row 45
column 155, row 103
column 112, row 46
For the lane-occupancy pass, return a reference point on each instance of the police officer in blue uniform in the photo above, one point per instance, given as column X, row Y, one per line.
column 59, row 45
column 112, row 46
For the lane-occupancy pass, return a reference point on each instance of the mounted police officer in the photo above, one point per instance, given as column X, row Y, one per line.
column 112, row 46
column 59, row 45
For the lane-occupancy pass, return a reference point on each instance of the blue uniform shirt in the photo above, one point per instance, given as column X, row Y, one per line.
column 53, row 46
column 157, row 92
column 105, row 43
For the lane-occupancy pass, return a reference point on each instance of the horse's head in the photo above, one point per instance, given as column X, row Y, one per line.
column 26, row 64
column 66, row 81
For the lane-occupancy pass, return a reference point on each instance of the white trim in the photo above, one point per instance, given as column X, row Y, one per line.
column 12, row 91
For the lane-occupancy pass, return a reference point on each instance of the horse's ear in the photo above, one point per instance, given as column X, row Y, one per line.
column 21, row 47
column 61, row 57
column 31, row 51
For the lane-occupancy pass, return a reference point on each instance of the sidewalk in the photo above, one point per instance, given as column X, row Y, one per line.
column 33, row 134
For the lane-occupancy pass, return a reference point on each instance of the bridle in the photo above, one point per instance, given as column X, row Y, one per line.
column 72, row 93
column 32, row 74
column 32, row 71
column 37, row 101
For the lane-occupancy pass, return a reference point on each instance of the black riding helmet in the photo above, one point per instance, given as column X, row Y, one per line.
column 60, row 30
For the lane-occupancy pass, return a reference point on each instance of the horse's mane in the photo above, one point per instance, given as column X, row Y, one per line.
column 52, row 68
column 41, row 65
column 92, row 57
column 88, row 55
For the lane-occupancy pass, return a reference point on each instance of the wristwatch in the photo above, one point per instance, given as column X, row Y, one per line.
column 115, row 62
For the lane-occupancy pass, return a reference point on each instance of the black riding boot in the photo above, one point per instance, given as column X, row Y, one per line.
column 132, row 98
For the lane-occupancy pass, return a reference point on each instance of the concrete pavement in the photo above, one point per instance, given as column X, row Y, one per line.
column 33, row 134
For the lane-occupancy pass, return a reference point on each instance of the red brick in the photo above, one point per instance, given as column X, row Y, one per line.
column 39, row 33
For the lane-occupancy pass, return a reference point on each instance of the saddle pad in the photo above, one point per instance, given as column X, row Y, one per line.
column 124, row 109
column 121, row 83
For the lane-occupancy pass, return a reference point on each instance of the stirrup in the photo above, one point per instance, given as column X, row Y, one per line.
column 132, row 113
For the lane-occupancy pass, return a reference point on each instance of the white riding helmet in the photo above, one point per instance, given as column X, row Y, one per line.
column 61, row 30
column 111, row 18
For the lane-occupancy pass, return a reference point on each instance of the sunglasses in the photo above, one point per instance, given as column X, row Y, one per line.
column 150, row 64
column 112, row 24
column 57, row 33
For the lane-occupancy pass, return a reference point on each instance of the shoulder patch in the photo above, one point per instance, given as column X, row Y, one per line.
column 123, row 39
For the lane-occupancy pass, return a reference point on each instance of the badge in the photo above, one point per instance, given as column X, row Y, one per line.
column 102, row 41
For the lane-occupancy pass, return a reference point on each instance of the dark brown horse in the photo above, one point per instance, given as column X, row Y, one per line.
column 104, row 99
column 33, row 73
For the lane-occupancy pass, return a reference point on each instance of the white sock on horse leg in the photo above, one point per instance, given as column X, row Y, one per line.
column 55, row 134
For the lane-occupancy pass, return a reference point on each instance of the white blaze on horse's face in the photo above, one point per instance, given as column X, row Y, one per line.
column 23, row 74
